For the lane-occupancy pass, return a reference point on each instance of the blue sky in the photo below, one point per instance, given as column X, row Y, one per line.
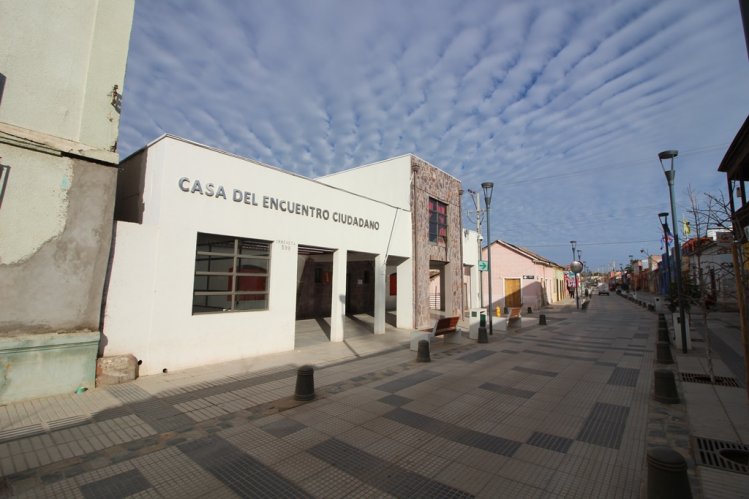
column 563, row 105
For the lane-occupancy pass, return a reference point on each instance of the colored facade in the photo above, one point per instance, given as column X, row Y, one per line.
column 61, row 79
column 521, row 278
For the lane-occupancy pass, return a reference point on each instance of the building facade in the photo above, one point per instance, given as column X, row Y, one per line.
column 521, row 278
column 217, row 257
column 62, row 65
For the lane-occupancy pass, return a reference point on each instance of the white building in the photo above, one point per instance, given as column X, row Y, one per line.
column 216, row 257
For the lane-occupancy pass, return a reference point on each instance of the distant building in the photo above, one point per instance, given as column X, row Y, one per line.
column 522, row 278
column 62, row 78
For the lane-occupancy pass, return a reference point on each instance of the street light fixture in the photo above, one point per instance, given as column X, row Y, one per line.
column 670, row 174
column 577, row 295
column 663, row 217
column 488, row 187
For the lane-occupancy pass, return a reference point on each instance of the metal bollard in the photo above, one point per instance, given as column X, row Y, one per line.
column 483, row 338
column 663, row 353
column 665, row 387
column 305, row 383
column 667, row 474
column 542, row 319
column 422, row 355
column 530, row 310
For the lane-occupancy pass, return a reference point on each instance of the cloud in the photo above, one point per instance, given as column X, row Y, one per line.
column 564, row 105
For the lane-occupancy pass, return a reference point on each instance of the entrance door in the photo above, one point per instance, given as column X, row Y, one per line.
column 512, row 293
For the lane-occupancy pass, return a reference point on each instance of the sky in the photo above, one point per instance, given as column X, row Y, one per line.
column 563, row 105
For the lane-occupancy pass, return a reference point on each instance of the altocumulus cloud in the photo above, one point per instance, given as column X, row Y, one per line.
column 563, row 105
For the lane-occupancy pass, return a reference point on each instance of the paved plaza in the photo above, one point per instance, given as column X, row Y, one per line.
column 558, row 410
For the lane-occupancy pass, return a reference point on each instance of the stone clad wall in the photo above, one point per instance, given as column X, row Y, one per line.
column 427, row 182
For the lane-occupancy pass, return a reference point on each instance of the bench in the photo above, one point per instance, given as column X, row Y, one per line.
column 446, row 326
column 503, row 323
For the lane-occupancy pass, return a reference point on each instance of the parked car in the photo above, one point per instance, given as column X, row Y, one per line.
column 603, row 290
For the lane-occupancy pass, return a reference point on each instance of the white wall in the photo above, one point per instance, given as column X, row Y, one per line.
column 471, row 247
column 388, row 181
column 164, row 247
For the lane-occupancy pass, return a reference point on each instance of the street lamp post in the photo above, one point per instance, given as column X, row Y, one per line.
column 577, row 295
column 663, row 217
column 488, row 187
column 670, row 174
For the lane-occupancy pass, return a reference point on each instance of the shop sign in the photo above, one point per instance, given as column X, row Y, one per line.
column 293, row 207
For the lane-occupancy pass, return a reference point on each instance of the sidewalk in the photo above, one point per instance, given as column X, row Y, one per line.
column 562, row 410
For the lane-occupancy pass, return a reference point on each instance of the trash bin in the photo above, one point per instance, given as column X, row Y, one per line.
column 476, row 319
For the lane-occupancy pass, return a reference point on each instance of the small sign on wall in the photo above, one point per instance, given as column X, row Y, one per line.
column 530, row 277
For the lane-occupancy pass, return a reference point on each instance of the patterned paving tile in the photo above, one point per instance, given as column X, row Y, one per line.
column 283, row 427
column 550, row 442
column 604, row 425
column 395, row 400
column 117, row 486
column 624, row 376
column 449, row 431
column 244, row 475
column 506, row 390
column 407, row 381
column 540, row 372
column 379, row 473
column 477, row 355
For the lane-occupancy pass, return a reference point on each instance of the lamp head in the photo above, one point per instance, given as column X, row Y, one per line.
column 668, row 154
column 488, row 188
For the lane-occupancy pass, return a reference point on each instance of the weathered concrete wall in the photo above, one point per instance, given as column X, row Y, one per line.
column 56, row 227
column 427, row 182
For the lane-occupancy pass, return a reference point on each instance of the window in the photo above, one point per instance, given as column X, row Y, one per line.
column 437, row 222
column 231, row 274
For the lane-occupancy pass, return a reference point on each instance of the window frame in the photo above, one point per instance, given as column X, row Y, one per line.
column 437, row 221
column 236, row 271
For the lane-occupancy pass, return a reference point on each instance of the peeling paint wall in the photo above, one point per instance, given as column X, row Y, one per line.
column 35, row 205
column 55, row 243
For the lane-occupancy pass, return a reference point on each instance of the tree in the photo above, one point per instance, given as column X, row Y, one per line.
column 712, row 215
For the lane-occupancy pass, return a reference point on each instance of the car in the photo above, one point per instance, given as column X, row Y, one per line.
column 603, row 290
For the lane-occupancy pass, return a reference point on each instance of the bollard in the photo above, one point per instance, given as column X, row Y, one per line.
column 305, row 383
column 665, row 387
column 530, row 310
column 542, row 319
column 663, row 353
column 667, row 474
column 423, row 353
column 482, row 335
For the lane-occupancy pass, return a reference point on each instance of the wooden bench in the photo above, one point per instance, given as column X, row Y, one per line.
column 446, row 326
column 503, row 323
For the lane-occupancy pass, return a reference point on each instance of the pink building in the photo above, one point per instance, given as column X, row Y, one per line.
column 521, row 278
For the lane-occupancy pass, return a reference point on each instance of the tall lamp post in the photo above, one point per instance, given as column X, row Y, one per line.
column 488, row 187
column 632, row 287
column 670, row 174
column 577, row 295
column 663, row 217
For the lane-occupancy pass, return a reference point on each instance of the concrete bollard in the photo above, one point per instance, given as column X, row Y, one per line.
column 665, row 387
column 422, row 355
column 667, row 474
column 663, row 353
column 305, row 383
column 483, row 338
column 542, row 319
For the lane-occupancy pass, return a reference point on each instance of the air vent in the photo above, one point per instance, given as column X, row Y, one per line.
column 727, row 456
column 705, row 378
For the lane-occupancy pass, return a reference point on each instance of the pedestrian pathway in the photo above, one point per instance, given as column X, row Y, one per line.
column 562, row 410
